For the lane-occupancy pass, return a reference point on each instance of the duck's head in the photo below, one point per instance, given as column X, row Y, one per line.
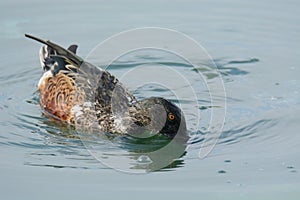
column 166, row 118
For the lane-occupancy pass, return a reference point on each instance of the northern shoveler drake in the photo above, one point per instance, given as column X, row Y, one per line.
column 77, row 92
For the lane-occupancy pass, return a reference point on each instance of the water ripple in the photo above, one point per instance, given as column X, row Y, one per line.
column 243, row 132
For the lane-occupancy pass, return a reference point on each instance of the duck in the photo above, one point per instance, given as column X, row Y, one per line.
column 88, row 97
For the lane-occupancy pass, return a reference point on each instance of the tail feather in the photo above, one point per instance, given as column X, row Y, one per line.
column 70, row 54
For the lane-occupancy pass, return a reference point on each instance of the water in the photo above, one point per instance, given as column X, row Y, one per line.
column 255, row 46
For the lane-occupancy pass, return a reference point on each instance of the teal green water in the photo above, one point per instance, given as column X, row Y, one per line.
column 256, row 48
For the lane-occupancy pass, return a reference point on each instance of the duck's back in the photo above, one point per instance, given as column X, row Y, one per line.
column 84, row 94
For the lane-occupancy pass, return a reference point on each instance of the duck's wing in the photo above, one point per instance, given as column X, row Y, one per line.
column 69, row 53
column 73, row 48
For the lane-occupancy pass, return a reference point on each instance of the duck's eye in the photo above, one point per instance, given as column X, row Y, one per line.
column 171, row 117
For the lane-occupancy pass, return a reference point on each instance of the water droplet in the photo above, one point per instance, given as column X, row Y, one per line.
column 144, row 159
column 275, row 98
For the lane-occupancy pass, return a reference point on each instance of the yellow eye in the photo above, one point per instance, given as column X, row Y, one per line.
column 171, row 117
